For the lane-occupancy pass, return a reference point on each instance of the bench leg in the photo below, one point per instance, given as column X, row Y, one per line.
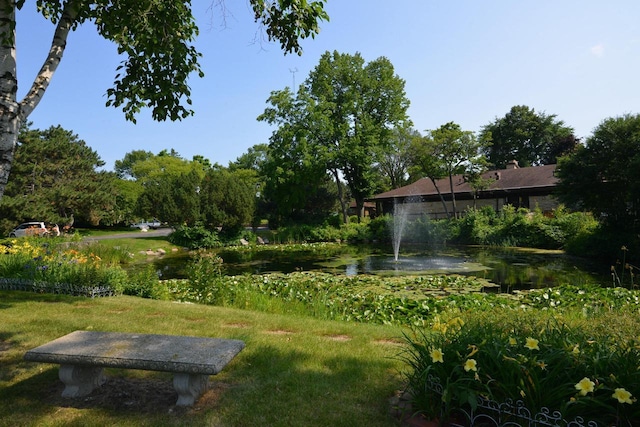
column 80, row 380
column 189, row 387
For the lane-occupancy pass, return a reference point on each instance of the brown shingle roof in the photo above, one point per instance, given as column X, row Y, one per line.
column 535, row 177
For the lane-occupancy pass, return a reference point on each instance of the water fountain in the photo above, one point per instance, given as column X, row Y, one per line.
column 400, row 214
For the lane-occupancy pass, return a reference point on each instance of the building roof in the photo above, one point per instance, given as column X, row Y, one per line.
column 507, row 180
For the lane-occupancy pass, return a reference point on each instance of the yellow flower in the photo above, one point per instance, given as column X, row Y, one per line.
column 623, row 396
column 471, row 365
column 542, row 365
column 576, row 349
column 437, row 355
column 440, row 327
column 585, row 386
column 532, row 344
column 512, row 341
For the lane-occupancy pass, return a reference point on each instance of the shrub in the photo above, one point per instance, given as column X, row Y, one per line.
column 204, row 274
column 196, row 237
column 380, row 228
column 145, row 284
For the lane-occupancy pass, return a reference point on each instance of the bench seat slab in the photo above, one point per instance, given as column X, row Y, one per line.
column 83, row 354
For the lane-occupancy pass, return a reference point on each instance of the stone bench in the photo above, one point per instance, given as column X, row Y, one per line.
column 83, row 354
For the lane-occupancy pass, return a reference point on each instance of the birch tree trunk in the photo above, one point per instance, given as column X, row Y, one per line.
column 13, row 113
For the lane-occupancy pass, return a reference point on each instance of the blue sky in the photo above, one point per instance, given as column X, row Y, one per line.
column 466, row 61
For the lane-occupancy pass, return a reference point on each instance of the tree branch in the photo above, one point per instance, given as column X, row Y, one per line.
column 58, row 45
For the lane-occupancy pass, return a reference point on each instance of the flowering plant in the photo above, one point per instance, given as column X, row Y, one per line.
column 572, row 366
column 47, row 263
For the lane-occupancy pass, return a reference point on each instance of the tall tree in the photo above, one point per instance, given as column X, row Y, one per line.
column 228, row 199
column 423, row 162
column 172, row 198
column 155, row 38
column 394, row 163
column 456, row 152
column 604, row 176
column 292, row 171
column 529, row 137
column 56, row 176
column 124, row 168
column 345, row 112
column 253, row 159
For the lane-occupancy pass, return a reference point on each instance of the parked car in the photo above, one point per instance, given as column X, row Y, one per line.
column 29, row 229
column 145, row 225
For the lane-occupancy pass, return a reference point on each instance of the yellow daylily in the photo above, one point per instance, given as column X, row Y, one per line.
column 585, row 386
column 623, row 396
column 471, row 365
column 437, row 355
column 532, row 344
column 512, row 341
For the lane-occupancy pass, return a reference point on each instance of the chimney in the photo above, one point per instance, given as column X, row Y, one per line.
column 513, row 164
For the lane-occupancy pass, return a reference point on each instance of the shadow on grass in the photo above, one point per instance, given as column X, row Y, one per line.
column 264, row 385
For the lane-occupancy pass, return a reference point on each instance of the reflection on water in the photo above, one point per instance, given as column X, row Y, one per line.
column 509, row 268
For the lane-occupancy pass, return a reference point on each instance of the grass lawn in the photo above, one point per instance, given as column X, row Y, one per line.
column 294, row 371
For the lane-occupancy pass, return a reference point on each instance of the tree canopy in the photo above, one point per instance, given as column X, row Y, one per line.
column 604, row 175
column 155, row 38
column 56, row 176
column 342, row 119
column 448, row 151
column 527, row 136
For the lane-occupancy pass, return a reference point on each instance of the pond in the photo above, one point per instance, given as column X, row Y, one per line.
column 510, row 268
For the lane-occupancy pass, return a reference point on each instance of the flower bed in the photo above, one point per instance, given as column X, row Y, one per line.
column 38, row 266
column 550, row 364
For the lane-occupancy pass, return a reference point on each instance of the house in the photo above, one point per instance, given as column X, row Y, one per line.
column 527, row 187
column 369, row 209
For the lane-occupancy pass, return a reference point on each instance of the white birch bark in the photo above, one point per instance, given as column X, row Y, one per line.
column 13, row 113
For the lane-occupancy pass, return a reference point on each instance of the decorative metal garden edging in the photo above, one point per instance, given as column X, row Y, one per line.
column 489, row 413
column 17, row 284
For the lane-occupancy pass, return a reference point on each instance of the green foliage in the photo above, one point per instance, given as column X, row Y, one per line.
column 195, row 237
column 380, row 228
column 125, row 168
column 339, row 123
column 144, row 283
column 204, row 273
column 529, row 137
column 445, row 152
column 40, row 261
column 540, row 359
column 227, row 199
column 520, row 227
column 359, row 298
column 603, row 176
column 172, row 197
column 289, row 21
column 395, row 162
column 353, row 232
column 53, row 176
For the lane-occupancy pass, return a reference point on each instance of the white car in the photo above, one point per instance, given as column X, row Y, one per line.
column 145, row 225
column 29, row 229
